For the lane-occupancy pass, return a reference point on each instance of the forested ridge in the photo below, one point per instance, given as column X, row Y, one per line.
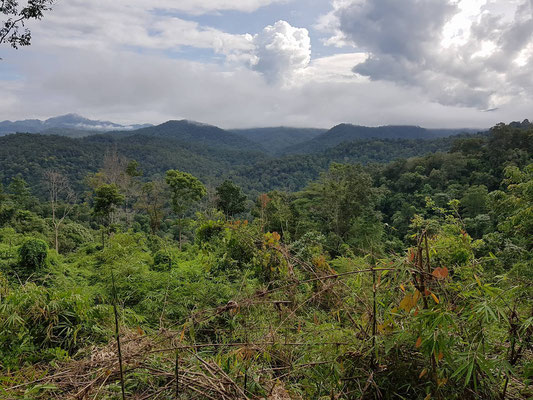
column 258, row 160
column 145, row 266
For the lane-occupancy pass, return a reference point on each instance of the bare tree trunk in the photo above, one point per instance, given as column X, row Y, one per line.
column 59, row 191
column 56, row 229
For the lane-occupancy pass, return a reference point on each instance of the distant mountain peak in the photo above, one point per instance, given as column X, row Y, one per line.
column 62, row 123
column 182, row 122
column 198, row 133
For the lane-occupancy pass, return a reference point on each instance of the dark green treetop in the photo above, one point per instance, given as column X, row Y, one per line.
column 185, row 190
column 106, row 198
column 230, row 198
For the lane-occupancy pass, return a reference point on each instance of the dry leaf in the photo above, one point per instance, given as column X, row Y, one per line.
column 441, row 273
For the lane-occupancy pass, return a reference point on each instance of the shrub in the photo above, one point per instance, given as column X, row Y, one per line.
column 209, row 230
column 33, row 256
column 72, row 236
column 163, row 261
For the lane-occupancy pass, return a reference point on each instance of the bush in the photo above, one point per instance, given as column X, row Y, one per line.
column 72, row 236
column 209, row 230
column 40, row 323
column 33, row 256
column 163, row 261
column 26, row 222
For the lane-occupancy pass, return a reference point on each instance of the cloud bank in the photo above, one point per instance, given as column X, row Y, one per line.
column 426, row 62
column 467, row 53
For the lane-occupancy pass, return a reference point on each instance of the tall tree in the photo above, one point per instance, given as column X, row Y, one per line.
column 12, row 30
column 152, row 202
column 106, row 199
column 20, row 191
column 230, row 199
column 340, row 200
column 185, row 191
column 118, row 170
column 61, row 195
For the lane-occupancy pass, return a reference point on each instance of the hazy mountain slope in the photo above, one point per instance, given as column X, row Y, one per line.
column 292, row 172
column 66, row 125
column 277, row 139
column 201, row 134
column 346, row 133
column 29, row 155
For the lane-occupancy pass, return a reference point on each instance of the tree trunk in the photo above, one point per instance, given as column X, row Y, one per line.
column 179, row 233
column 56, row 229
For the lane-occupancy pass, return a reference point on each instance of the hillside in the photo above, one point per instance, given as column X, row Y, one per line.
column 29, row 155
column 414, row 275
column 198, row 133
column 348, row 133
column 293, row 171
column 276, row 140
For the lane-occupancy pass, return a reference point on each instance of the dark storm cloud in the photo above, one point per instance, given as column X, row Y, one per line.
column 400, row 29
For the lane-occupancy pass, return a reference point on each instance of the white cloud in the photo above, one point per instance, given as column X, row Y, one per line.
column 336, row 68
column 134, row 24
column 129, row 88
column 116, row 60
column 467, row 52
column 206, row 6
column 281, row 51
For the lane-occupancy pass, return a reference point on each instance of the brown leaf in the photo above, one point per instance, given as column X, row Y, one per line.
column 441, row 273
column 418, row 342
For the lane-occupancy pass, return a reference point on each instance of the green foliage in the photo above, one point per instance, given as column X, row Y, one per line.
column 230, row 199
column 33, row 257
column 106, row 198
column 36, row 321
column 126, row 257
column 163, row 260
column 185, row 189
column 72, row 236
column 408, row 280
column 209, row 231
column 341, row 204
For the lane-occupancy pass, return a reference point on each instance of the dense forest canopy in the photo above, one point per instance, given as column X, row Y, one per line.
column 380, row 268
column 259, row 160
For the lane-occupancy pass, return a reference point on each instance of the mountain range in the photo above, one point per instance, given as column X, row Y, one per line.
column 72, row 125
column 271, row 141
column 258, row 159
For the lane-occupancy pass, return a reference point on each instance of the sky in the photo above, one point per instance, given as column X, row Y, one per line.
column 253, row 63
